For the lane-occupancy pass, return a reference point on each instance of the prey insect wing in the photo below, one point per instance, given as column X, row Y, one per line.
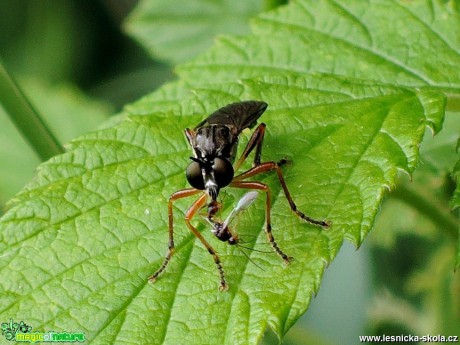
column 220, row 228
column 245, row 201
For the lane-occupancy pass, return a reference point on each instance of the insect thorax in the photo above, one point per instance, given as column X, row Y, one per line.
column 216, row 141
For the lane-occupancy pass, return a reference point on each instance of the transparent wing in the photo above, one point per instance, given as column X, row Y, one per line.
column 246, row 200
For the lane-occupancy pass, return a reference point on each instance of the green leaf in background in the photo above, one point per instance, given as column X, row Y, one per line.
column 438, row 157
column 67, row 109
column 68, row 112
column 455, row 202
column 20, row 170
column 412, row 43
column 80, row 240
column 456, row 198
column 177, row 30
column 414, row 245
column 42, row 44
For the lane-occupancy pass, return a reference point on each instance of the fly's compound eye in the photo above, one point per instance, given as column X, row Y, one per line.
column 194, row 175
column 223, row 172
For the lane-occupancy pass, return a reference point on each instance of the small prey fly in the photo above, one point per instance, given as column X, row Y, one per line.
column 221, row 229
column 214, row 142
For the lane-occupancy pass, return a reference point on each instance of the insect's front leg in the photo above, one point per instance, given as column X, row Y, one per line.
column 188, row 217
column 176, row 196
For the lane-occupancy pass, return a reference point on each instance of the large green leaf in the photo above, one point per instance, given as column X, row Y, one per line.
column 79, row 242
column 93, row 222
column 178, row 30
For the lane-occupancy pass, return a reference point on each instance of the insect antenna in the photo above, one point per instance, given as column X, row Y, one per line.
column 247, row 256
column 244, row 236
column 243, row 239
column 256, row 250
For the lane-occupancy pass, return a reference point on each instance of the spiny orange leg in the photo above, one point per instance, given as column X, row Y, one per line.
column 188, row 217
column 270, row 166
column 256, row 142
column 268, row 225
column 176, row 196
column 196, row 206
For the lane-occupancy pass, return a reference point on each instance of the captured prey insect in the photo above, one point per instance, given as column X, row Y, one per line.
column 214, row 142
column 221, row 230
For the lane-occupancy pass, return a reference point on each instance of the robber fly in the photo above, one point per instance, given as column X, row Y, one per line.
column 214, row 142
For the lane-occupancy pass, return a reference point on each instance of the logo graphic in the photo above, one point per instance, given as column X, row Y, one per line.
column 21, row 332
column 10, row 329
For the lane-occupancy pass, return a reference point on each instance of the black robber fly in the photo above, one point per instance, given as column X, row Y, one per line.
column 214, row 142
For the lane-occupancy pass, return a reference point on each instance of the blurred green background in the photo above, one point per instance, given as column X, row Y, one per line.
column 78, row 66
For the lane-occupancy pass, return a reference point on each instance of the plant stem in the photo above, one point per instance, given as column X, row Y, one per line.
column 26, row 119
column 437, row 215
